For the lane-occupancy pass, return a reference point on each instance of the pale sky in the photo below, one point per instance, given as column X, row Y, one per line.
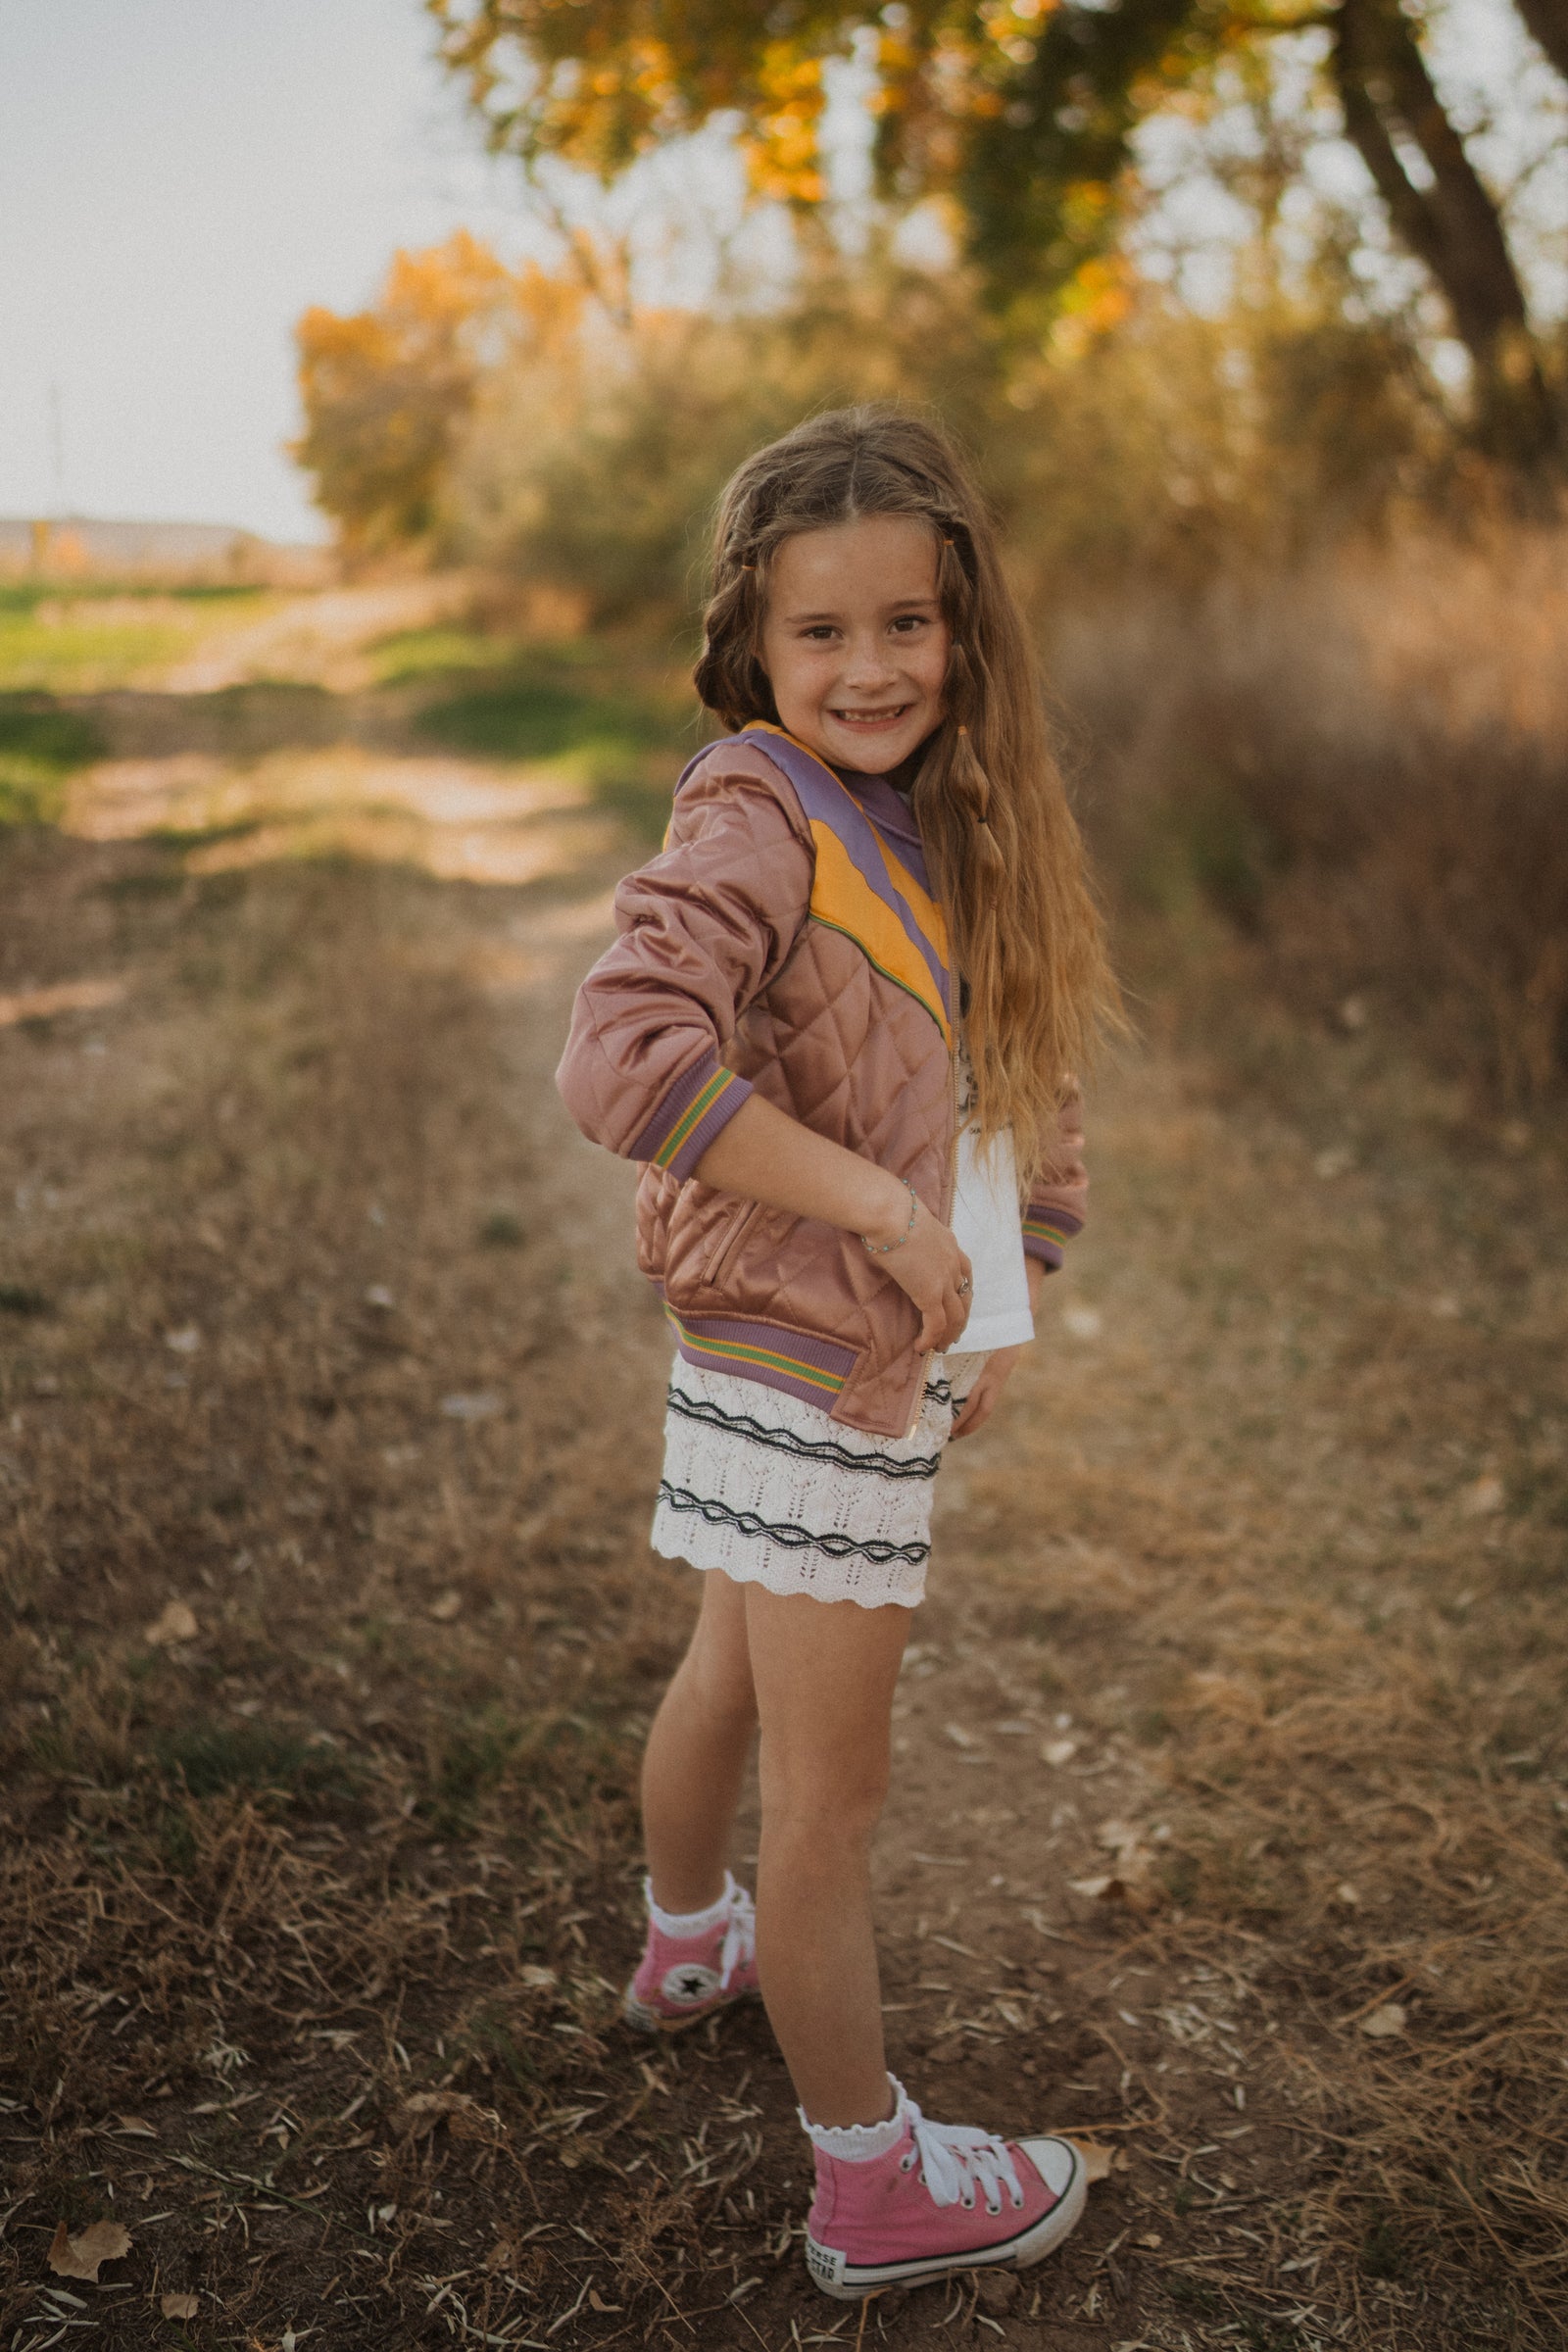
column 178, row 179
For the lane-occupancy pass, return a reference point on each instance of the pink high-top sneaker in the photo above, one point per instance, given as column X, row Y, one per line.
column 943, row 2198
column 682, row 1979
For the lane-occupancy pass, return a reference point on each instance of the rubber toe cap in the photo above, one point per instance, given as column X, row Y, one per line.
column 1056, row 2161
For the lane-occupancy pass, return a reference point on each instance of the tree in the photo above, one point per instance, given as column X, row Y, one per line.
column 1023, row 113
column 388, row 392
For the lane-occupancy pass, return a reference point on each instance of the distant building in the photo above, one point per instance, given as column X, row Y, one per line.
column 76, row 545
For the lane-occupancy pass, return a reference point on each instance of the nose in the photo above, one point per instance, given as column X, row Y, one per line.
column 868, row 663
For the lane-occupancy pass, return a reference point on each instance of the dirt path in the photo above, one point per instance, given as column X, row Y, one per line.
column 1227, row 1827
column 320, row 639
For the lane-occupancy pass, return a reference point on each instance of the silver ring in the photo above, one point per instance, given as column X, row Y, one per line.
column 966, row 1284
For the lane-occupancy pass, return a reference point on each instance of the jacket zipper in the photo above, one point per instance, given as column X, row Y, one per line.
column 948, row 1190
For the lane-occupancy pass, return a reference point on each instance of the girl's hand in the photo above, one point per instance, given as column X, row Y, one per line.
column 928, row 1268
column 981, row 1402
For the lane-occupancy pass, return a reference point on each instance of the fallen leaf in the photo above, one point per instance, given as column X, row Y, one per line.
column 482, row 1406
column 184, row 1341
column 176, row 1624
column 379, row 1296
column 959, row 1735
column 1098, row 2160
column 179, row 2307
column 1486, row 1495
column 1058, row 1751
column 996, row 2290
column 537, row 1978
column 1084, row 1322
column 1347, row 1897
column 1149, row 2238
column 80, row 2257
column 424, row 2110
column 1384, row 2022
column 1130, row 1884
column 67, row 996
column 445, row 1607
column 134, row 2126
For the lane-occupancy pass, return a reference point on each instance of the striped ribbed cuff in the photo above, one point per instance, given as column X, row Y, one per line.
column 1045, row 1231
column 698, row 1108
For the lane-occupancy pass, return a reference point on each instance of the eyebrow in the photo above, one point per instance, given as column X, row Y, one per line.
column 904, row 603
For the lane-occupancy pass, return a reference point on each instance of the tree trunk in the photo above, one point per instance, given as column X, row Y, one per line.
column 1453, row 225
column 1548, row 22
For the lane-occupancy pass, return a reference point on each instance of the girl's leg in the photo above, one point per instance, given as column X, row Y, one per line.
column 696, row 1754
column 825, row 1674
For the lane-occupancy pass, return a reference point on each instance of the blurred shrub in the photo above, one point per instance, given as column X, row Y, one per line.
column 387, row 392
column 1363, row 762
column 1173, row 442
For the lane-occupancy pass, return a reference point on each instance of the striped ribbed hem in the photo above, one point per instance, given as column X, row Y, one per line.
column 814, row 1370
column 698, row 1106
column 1043, row 1233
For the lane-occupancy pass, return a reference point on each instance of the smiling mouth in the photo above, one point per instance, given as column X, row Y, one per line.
column 871, row 719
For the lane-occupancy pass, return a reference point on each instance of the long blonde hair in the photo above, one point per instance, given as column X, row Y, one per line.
column 1004, row 856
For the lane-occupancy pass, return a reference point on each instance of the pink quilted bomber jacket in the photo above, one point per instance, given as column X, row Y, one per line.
column 785, row 940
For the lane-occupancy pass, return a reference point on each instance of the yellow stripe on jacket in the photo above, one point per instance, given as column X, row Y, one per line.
column 844, row 902
column 925, row 909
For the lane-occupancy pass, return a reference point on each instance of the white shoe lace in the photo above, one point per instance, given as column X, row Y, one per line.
column 955, row 2158
column 739, row 1948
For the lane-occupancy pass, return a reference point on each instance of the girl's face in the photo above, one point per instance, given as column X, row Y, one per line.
column 854, row 642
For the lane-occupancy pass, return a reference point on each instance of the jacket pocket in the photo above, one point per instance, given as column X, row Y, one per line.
column 728, row 1240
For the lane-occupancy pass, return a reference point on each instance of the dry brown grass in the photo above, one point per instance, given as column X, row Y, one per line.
column 1364, row 763
column 313, row 1918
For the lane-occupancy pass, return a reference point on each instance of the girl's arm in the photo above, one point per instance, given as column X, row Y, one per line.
column 763, row 1154
column 1000, row 1365
column 703, row 926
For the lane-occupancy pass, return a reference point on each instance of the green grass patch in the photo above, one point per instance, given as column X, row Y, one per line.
column 40, row 746
column 59, row 638
column 25, row 596
column 16, row 1299
column 211, row 1759
column 426, row 652
column 200, row 837
column 532, row 717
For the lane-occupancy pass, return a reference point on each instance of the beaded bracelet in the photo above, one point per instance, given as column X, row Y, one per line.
column 882, row 1249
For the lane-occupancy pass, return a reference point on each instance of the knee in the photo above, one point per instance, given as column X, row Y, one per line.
column 827, row 1800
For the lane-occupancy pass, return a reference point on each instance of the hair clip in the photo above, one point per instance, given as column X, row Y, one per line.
column 961, row 730
column 748, row 568
column 947, row 542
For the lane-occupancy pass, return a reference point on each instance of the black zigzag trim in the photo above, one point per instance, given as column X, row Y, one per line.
column 810, row 1450
column 793, row 1538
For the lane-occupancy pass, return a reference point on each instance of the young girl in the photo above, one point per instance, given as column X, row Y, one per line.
column 838, row 1029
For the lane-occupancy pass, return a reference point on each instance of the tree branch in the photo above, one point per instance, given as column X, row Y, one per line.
column 1454, row 225
column 1547, row 21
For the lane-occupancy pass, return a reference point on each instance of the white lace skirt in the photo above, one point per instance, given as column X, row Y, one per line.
column 773, row 1493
